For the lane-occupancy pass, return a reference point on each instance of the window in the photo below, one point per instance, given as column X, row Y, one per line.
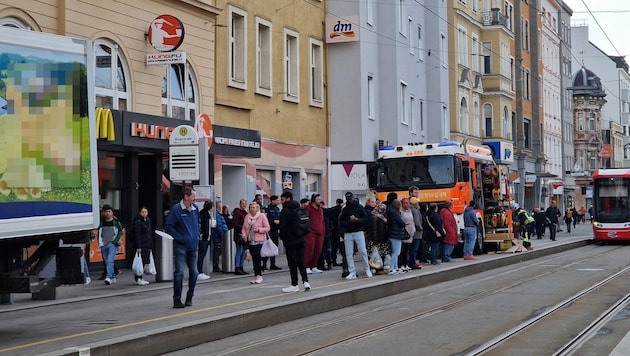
column 410, row 37
column 420, row 43
column 404, row 109
column 591, row 122
column 291, row 61
column 527, row 85
column 237, row 50
column 580, row 117
column 14, row 22
column 412, row 114
column 506, row 123
column 475, row 53
column 527, row 133
column 505, row 65
column 421, row 113
column 474, row 5
column 486, row 52
column 370, row 97
column 263, row 57
column 400, row 4
column 312, row 184
column 462, row 46
column 179, row 93
column 112, row 87
column 593, row 159
column 443, row 50
column 317, row 73
column 370, row 11
column 487, row 114
column 463, row 116
column 525, row 35
column 476, row 123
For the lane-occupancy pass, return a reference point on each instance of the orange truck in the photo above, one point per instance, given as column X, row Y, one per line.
column 449, row 171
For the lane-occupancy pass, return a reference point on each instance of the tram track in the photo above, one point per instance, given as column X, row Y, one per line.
column 402, row 322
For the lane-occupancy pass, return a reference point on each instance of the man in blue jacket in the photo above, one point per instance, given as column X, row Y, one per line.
column 183, row 225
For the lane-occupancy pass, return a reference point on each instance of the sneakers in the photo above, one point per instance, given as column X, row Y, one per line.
column 142, row 282
column 178, row 304
column 417, row 266
column 351, row 276
column 309, row 271
column 368, row 274
column 394, row 271
column 307, row 286
column 109, row 281
column 88, row 280
column 202, row 276
column 470, row 258
column 275, row 268
column 316, row 270
column 292, row 289
column 257, row 280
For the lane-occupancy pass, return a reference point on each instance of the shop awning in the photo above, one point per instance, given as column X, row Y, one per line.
column 513, row 177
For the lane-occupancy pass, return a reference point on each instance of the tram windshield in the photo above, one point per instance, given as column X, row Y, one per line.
column 426, row 172
column 611, row 201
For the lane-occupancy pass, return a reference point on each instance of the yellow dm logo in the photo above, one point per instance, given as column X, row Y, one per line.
column 183, row 131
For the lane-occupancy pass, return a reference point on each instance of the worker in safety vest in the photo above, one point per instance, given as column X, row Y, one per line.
column 528, row 225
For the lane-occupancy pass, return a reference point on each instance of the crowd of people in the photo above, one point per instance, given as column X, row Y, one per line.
column 391, row 237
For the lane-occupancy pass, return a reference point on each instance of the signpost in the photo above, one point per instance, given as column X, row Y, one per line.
column 184, row 154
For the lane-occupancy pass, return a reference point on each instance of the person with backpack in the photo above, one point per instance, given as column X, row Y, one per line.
column 352, row 222
column 294, row 225
column 568, row 219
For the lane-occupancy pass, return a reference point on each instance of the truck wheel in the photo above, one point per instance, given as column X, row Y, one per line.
column 479, row 243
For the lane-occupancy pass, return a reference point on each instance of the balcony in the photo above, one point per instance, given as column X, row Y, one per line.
column 494, row 17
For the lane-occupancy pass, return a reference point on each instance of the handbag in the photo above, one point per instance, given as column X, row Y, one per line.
column 376, row 261
column 268, row 249
column 137, row 266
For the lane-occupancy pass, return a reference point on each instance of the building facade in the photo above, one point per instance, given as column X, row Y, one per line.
column 387, row 68
column 569, row 187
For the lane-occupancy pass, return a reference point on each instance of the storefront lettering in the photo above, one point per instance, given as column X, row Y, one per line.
column 433, row 195
column 139, row 129
column 236, row 142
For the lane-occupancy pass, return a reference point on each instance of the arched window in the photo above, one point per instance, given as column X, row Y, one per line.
column 463, row 116
column 14, row 22
column 487, row 119
column 506, row 123
column 111, row 76
column 476, row 123
column 179, row 93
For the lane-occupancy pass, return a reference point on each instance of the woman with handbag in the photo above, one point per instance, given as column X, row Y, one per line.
column 410, row 229
column 395, row 226
column 254, row 231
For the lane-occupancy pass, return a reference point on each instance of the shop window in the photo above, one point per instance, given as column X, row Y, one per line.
column 312, row 184
column 265, row 183
column 110, row 173
column 111, row 76
column 179, row 93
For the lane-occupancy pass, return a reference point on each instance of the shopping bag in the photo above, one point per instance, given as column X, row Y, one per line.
column 136, row 267
column 376, row 261
column 150, row 268
column 269, row 249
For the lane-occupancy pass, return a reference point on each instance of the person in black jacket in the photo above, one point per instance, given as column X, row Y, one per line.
column 433, row 225
column 294, row 245
column 553, row 213
column 273, row 215
column 142, row 234
column 352, row 222
column 395, row 226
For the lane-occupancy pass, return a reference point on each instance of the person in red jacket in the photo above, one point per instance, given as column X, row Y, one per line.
column 450, row 226
column 315, row 238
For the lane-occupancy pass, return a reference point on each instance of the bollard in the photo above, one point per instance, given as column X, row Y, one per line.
column 163, row 256
column 227, row 253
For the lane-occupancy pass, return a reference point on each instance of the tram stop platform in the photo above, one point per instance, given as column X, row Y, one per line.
column 126, row 319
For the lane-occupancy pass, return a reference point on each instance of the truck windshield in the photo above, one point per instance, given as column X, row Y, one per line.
column 610, row 200
column 425, row 172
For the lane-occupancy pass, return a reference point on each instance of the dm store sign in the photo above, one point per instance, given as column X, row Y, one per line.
column 342, row 29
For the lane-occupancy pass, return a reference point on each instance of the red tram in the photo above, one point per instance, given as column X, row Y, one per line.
column 611, row 204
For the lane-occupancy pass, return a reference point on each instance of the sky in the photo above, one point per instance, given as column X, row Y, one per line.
column 608, row 23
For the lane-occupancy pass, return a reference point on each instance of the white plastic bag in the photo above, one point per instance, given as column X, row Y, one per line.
column 137, row 267
column 376, row 261
column 269, row 249
column 150, row 268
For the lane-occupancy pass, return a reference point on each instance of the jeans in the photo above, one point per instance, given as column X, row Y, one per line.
column 358, row 238
column 413, row 251
column 569, row 226
column 448, row 250
column 470, row 237
column 295, row 260
column 109, row 252
column 553, row 229
column 183, row 258
column 396, row 247
column 201, row 254
column 239, row 257
column 435, row 250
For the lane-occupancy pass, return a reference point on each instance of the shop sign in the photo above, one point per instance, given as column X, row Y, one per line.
column 166, row 58
column 503, row 151
column 342, row 29
column 530, row 178
column 349, row 176
column 166, row 33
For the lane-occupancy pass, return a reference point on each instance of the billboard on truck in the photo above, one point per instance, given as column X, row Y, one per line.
column 48, row 181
